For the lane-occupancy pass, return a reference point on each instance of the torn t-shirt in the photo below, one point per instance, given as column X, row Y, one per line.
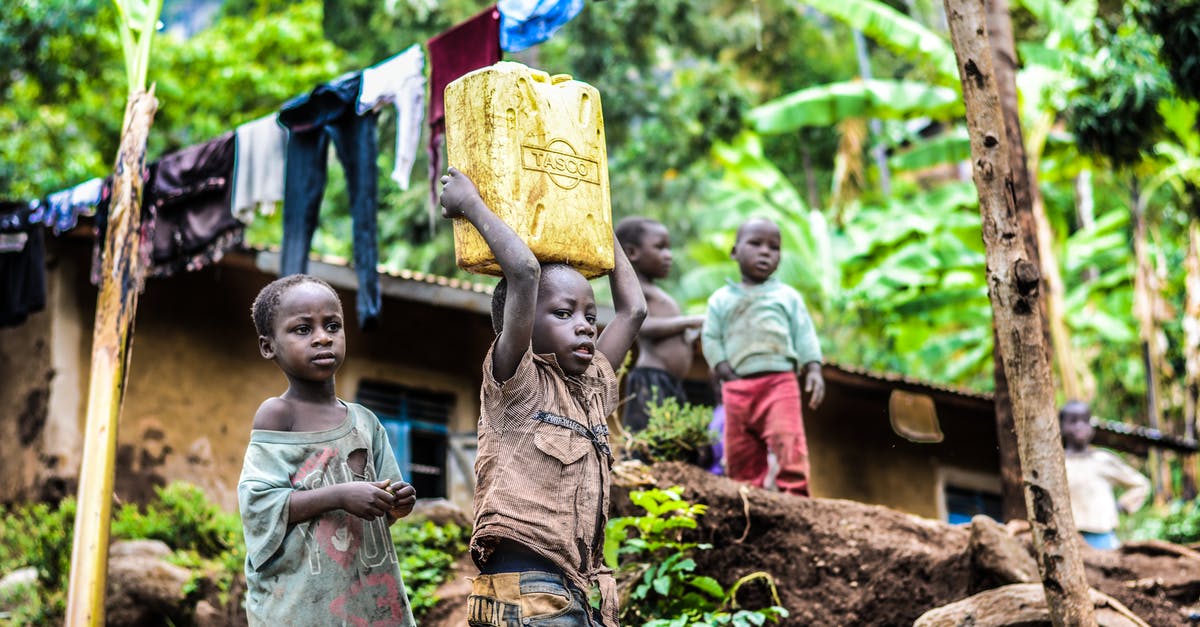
column 335, row 569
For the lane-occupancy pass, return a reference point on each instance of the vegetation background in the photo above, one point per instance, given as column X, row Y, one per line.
column 840, row 118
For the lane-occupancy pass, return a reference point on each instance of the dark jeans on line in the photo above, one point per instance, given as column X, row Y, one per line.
column 314, row 119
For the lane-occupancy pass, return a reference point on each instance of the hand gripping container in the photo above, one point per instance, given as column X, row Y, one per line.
column 534, row 146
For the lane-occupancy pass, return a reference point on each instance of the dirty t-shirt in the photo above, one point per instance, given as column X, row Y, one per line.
column 335, row 569
column 1091, row 478
column 761, row 328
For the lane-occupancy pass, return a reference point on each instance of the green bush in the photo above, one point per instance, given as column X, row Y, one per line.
column 205, row 539
column 656, row 572
column 427, row 553
column 675, row 432
column 1178, row 522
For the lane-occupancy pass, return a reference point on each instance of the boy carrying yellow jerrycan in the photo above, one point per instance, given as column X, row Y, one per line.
column 534, row 146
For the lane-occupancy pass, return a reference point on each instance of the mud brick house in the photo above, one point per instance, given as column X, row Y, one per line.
column 196, row 379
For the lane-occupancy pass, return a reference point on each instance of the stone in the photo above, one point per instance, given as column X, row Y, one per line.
column 1020, row 605
column 138, row 548
column 997, row 558
column 441, row 512
column 145, row 590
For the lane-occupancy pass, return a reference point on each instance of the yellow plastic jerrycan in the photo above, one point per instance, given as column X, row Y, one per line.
column 534, row 146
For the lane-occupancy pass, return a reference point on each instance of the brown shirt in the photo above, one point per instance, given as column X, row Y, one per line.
column 542, row 472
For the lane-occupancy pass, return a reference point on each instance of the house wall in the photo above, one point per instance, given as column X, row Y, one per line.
column 856, row 455
column 196, row 377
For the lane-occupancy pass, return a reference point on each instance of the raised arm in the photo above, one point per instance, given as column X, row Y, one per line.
column 656, row 327
column 460, row 199
column 630, row 303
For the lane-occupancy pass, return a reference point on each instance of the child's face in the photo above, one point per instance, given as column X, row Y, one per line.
column 1076, row 425
column 564, row 321
column 307, row 340
column 652, row 257
column 757, row 250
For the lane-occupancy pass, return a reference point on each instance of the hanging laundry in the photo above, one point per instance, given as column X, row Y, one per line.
column 189, row 192
column 61, row 210
column 15, row 216
column 329, row 113
column 471, row 45
column 400, row 81
column 525, row 23
column 23, row 271
column 258, row 168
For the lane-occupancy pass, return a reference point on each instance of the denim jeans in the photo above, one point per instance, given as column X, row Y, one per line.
column 314, row 119
column 530, row 598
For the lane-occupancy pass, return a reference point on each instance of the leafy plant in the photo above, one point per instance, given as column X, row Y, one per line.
column 675, row 432
column 657, row 573
column 1178, row 522
column 427, row 553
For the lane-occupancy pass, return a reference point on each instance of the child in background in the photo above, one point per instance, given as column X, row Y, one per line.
column 319, row 484
column 758, row 336
column 665, row 340
column 1092, row 474
column 542, row 472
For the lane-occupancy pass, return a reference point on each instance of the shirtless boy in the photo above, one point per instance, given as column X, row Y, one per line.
column 665, row 341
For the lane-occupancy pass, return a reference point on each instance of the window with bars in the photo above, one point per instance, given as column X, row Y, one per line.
column 417, row 423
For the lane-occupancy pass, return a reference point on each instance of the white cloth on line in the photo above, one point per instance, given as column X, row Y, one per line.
column 258, row 167
column 399, row 81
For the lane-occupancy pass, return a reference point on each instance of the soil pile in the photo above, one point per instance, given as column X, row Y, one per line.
column 841, row 563
column 844, row 563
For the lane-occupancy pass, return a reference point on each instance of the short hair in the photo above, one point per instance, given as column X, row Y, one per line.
column 262, row 312
column 757, row 219
column 500, row 294
column 1073, row 405
column 631, row 230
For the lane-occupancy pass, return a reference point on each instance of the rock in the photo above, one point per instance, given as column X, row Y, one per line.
column 441, row 512
column 138, row 548
column 12, row 583
column 997, row 558
column 1020, row 605
column 208, row 616
column 145, row 590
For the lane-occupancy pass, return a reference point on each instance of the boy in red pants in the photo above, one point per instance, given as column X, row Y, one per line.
column 758, row 336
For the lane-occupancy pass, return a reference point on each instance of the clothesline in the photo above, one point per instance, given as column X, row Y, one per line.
column 197, row 200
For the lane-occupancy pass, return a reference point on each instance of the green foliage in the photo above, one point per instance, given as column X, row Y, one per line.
column 824, row 105
column 1178, row 522
column 137, row 21
column 427, row 553
column 1115, row 114
column 38, row 535
column 1178, row 25
column 656, row 569
column 181, row 516
column 675, row 431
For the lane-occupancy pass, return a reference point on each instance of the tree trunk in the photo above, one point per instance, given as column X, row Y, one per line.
column 1005, row 66
column 1012, row 496
column 1191, row 352
column 1014, row 283
column 1144, row 296
column 112, row 337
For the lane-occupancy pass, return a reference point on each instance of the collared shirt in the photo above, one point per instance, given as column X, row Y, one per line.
column 763, row 328
column 1091, row 477
column 542, row 471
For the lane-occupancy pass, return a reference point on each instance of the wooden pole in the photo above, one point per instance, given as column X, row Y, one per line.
column 1191, row 352
column 1014, row 283
column 1005, row 65
column 112, row 336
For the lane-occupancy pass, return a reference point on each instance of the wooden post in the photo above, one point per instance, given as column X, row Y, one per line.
column 112, row 336
column 1145, row 297
column 1191, row 352
column 1014, row 283
column 1005, row 65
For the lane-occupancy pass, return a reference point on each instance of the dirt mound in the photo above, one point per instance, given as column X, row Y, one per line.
column 845, row 563
column 841, row 563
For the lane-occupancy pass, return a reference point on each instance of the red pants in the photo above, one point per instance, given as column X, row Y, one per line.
column 762, row 414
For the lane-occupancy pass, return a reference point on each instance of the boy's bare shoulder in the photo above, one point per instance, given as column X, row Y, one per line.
column 275, row 414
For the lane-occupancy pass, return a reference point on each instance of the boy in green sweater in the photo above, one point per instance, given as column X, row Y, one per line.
column 758, row 336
